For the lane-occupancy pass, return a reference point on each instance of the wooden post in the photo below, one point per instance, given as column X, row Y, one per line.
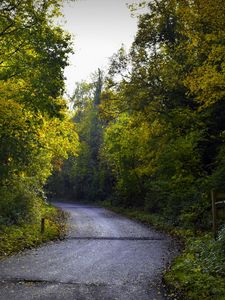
column 213, row 197
column 42, row 225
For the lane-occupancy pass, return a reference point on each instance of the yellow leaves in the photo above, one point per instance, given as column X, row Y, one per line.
column 203, row 23
column 11, row 116
column 207, row 82
column 58, row 137
column 12, row 89
column 32, row 137
column 127, row 140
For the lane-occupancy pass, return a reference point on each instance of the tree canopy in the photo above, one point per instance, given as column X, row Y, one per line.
column 35, row 130
column 161, row 114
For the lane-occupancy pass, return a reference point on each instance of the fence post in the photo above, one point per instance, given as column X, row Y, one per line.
column 42, row 225
column 213, row 197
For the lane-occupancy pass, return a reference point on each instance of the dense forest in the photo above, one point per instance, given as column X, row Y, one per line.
column 152, row 127
column 148, row 134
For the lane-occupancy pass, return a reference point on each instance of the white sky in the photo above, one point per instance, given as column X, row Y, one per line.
column 99, row 28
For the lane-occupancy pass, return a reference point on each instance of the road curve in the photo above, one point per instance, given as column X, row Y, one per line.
column 104, row 257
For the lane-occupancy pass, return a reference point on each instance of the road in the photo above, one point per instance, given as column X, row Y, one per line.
column 105, row 256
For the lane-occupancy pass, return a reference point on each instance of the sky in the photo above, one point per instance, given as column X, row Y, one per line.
column 99, row 28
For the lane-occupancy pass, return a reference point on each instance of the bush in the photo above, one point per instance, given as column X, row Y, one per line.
column 199, row 272
column 16, row 238
column 19, row 203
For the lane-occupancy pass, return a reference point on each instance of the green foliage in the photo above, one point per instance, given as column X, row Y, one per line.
column 199, row 272
column 27, row 235
column 36, row 133
column 84, row 177
column 19, row 204
column 124, row 149
column 34, row 53
column 164, row 137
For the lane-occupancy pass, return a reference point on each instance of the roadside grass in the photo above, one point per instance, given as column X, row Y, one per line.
column 199, row 271
column 16, row 238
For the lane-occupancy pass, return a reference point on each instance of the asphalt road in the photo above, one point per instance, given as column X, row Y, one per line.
column 105, row 256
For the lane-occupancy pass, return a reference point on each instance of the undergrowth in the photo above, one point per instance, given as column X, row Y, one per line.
column 16, row 238
column 199, row 272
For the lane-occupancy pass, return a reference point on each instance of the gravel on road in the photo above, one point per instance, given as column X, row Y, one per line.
column 104, row 257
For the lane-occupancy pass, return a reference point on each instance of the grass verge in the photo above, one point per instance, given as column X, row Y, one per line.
column 16, row 238
column 199, row 271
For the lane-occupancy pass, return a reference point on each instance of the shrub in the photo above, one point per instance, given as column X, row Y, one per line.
column 199, row 272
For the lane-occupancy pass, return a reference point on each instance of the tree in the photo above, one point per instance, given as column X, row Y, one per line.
column 84, row 177
column 171, row 80
column 35, row 130
column 34, row 53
